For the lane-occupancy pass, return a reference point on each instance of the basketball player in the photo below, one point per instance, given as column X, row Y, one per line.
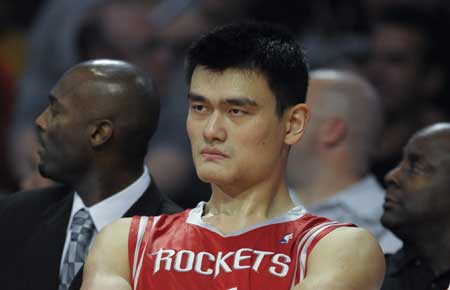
column 247, row 86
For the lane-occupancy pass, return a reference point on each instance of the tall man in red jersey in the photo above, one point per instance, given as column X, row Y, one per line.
column 247, row 87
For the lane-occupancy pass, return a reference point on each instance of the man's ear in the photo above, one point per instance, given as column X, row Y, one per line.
column 100, row 132
column 332, row 131
column 297, row 118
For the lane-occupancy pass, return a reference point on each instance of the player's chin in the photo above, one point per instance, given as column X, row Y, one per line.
column 208, row 174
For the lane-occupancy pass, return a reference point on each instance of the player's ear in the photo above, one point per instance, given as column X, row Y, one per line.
column 100, row 132
column 296, row 119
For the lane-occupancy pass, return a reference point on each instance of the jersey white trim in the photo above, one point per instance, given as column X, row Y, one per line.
column 140, row 234
column 304, row 252
column 301, row 248
column 195, row 218
column 138, row 270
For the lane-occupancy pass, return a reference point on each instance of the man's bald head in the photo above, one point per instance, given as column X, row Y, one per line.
column 345, row 113
column 439, row 129
column 438, row 137
column 343, row 94
column 100, row 111
column 347, row 96
column 110, row 84
column 118, row 91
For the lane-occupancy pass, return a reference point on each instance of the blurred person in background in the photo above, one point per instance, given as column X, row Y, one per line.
column 14, row 19
column 335, row 34
column 408, row 65
column 329, row 171
column 417, row 210
column 26, row 160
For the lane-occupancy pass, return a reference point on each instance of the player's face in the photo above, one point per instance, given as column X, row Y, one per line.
column 62, row 133
column 235, row 132
column 417, row 189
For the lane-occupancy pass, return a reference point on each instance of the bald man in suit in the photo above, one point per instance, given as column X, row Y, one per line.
column 93, row 139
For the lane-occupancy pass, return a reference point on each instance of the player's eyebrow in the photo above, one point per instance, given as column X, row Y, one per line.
column 241, row 102
column 196, row 98
column 234, row 101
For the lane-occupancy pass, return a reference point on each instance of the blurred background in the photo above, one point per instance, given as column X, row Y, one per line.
column 399, row 45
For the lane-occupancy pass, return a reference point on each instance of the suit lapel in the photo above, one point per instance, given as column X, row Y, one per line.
column 148, row 204
column 44, row 249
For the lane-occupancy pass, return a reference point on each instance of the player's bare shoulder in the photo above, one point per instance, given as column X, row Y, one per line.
column 114, row 234
column 351, row 244
column 352, row 235
column 117, row 228
column 346, row 258
column 107, row 261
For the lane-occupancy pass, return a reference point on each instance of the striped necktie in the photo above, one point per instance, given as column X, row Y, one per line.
column 82, row 229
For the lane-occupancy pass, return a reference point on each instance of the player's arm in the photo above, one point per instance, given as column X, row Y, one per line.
column 107, row 263
column 345, row 259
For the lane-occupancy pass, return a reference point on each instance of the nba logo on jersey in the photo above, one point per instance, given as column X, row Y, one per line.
column 286, row 238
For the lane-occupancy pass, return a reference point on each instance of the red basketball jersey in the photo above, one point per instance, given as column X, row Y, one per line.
column 181, row 252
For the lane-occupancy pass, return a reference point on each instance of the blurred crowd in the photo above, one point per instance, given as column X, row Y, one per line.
column 399, row 46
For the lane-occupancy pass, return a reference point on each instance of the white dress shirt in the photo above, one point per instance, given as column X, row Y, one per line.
column 360, row 204
column 110, row 209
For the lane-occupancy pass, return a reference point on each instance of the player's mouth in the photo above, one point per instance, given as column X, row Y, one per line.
column 213, row 154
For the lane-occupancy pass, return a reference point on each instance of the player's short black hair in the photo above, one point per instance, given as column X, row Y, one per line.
column 264, row 48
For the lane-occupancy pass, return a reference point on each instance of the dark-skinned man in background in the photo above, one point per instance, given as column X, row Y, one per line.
column 417, row 210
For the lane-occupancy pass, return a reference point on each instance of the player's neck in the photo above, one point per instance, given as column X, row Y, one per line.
column 237, row 210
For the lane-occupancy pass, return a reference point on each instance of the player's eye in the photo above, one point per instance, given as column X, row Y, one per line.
column 198, row 108
column 236, row 112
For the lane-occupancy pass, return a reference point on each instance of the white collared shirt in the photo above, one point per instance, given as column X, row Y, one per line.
column 361, row 204
column 110, row 209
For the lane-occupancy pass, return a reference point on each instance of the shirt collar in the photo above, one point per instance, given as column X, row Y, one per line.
column 115, row 206
column 363, row 197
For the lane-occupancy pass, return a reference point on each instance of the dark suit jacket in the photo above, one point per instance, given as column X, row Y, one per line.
column 34, row 224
